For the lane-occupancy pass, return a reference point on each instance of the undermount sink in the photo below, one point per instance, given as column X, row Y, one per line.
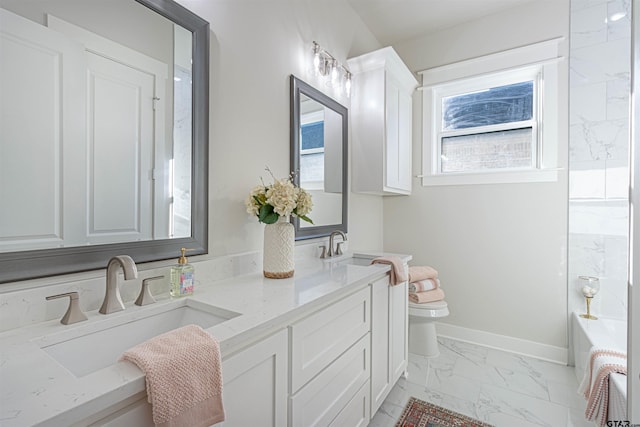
column 351, row 260
column 89, row 351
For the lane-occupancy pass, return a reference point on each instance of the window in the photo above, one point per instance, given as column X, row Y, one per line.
column 488, row 123
column 312, row 153
column 488, row 127
column 312, row 150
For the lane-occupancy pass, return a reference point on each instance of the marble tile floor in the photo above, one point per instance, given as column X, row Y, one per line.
column 501, row 388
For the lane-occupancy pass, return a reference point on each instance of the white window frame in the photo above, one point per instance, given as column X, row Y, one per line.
column 539, row 62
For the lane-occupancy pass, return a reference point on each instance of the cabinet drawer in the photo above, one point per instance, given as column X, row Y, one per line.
column 320, row 338
column 320, row 401
column 356, row 413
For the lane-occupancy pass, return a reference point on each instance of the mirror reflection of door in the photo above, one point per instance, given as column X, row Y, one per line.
column 105, row 163
column 321, row 160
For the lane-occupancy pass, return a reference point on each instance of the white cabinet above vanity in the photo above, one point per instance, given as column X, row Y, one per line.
column 381, row 108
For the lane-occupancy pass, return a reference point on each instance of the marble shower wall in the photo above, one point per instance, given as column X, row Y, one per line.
column 600, row 64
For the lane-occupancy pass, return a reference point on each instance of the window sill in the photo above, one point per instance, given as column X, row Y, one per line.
column 511, row 177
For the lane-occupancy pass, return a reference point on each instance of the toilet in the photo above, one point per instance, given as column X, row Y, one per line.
column 423, row 339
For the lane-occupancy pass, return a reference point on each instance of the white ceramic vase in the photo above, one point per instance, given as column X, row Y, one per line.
column 279, row 244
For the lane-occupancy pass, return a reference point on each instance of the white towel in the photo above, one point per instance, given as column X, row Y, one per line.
column 595, row 384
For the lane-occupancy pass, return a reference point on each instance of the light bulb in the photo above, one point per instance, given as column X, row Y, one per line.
column 316, row 58
column 347, row 84
column 334, row 71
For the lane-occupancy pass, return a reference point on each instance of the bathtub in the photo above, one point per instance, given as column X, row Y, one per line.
column 603, row 333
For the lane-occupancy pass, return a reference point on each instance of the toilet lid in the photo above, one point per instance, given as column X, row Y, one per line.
column 436, row 305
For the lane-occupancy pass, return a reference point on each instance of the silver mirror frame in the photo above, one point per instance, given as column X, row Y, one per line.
column 23, row 265
column 297, row 87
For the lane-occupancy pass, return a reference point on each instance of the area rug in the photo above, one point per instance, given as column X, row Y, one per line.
column 418, row 413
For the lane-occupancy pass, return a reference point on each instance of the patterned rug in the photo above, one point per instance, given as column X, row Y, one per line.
column 423, row 414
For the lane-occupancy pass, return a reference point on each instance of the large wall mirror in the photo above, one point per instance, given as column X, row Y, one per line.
column 103, row 133
column 319, row 158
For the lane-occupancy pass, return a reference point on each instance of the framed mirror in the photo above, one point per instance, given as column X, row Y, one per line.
column 319, row 158
column 105, row 151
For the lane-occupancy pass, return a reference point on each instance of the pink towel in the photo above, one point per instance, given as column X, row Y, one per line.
column 427, row 296
column 595, row 384
column 424, row 285
column 417, row 273
column 184, row 377
column 398, row 273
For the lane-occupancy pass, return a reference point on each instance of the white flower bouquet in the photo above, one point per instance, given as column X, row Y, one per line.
column 281, row 198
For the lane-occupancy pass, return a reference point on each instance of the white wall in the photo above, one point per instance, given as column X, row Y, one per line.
column 255, row 47
column 500, row 249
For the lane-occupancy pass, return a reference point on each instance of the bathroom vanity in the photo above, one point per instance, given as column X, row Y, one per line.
column 322, row 348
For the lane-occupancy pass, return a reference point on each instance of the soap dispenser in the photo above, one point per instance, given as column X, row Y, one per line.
column 182, row 279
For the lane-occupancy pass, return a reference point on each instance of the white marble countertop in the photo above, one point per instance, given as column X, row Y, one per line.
column 36, row 389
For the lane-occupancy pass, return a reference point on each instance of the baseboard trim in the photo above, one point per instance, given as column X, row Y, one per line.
column 503, row 342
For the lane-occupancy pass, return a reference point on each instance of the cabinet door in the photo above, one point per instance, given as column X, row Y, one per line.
column 405, row 108
column 398, row 325
column 392, row 122
column 380, row 348
column 398, row 137
column 389, row 350
column 255, row 384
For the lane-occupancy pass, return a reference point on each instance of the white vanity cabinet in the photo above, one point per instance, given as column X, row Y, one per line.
column 389, row 345
column 330, row 363
column 381, row 109
column 329, row 360
column 254, row 390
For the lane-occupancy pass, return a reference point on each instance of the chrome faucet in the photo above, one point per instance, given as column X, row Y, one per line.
column 112, row 299
column 338, row 250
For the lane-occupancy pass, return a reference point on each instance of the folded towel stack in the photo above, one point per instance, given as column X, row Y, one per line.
column 184, row 377
column 424, row 285
column 595, row 384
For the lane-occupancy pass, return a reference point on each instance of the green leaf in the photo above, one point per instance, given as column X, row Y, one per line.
column 267, row 215
column 305, row 218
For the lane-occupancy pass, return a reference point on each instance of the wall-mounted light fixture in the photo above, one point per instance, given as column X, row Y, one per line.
column 324, row 64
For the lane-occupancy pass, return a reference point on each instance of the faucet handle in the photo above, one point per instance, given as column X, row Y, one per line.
column 73, row 314
column 324, row 251
column 145, row 296
column 339, row 248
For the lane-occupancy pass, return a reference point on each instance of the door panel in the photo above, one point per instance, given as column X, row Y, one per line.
column 39, row 74
column 120, row 157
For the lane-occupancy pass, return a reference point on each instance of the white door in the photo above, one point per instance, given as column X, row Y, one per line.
column 39, row 74
column 633, row 319
column 120, row 151
column 127, row 185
